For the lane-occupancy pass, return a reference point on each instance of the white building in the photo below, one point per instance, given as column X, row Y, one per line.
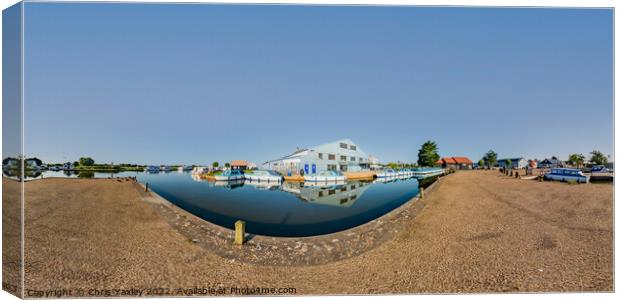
column 343, row 155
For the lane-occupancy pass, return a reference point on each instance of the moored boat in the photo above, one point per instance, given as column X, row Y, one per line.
column 386, row 173
column 229, row 175
column 421, row 173
column 566, row 175
column 152, row 169
column 325, row 176
column 264, row 175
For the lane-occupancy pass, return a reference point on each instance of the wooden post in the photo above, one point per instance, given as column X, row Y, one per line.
column 146, row 187
column 516, row 174
column 239, row 232
column 421, row 193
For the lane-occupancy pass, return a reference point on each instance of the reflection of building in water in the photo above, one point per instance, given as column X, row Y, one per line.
column 322, row 193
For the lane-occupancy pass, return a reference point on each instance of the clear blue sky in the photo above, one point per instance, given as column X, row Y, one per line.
column 153, row 83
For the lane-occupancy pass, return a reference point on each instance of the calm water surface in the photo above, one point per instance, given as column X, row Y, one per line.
column 287, row 209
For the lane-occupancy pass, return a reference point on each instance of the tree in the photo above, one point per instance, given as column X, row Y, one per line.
column 508, row 164
column 576, row 160
column 227, row 165
column 76, row 163
column 216, row 164
column 427, row 155
column 481, row 163
column 598, row 158
column 490, row 158
column 86, row 161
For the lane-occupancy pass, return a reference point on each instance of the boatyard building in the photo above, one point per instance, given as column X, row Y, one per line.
column 343, row 155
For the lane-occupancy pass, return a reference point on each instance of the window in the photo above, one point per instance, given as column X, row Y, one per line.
column 343, row 189
column 343, row 157
column 331, row 167
column 331, row 156
column 353, row 147
column 320, row 155
column 352, row 158
column 361, row 159
column 343, row 146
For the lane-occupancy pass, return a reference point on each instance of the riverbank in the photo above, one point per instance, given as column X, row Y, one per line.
column 478, row 231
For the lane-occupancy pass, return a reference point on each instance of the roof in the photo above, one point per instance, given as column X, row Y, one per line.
column 449, row 160
column 516, row 158
column 462, row 160
column 239, row 162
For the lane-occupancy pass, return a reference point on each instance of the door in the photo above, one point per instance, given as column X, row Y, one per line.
column 313, row 169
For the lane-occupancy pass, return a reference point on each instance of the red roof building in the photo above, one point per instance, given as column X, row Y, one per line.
column 456, row 162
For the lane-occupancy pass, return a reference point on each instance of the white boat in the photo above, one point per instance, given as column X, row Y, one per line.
column 421, row 173
column 152, row 169
column 229, row 175
column 566, row 175
column 264, row 175
column 200, row 170
column 165, row 168
column 386, row 173
column 326, row 176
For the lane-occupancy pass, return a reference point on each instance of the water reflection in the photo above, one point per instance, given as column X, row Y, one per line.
column 327, row 194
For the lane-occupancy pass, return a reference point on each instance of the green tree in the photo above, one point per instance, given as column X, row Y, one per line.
column 598, row 158
column 76, row 163
column 508, row 164
column 576, row 159
column 490, row 158
column 216, row 164
column 481, row 163
column 227, row 165
column 427, row 155
column 86, row 161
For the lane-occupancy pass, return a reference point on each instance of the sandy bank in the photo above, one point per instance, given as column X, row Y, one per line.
column 479, row 231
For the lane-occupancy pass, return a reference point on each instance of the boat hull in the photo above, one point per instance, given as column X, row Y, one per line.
column 325, row 178
column 567, row 178
column 228, row 178
column 263, row 178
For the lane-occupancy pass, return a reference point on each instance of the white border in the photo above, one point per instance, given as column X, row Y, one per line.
column 500, row 3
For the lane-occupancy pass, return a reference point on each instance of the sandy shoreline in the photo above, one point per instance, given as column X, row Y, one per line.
column 477, row 231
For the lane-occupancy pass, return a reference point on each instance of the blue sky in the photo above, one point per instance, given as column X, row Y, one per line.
column 154, row 83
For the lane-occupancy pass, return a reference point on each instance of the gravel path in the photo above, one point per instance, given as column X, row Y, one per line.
column 479, row 231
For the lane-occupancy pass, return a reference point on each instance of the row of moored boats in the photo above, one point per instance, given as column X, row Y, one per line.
column 322, row 176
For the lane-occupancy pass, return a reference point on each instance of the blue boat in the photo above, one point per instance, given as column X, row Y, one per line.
column 566, row 175
column 599, row 169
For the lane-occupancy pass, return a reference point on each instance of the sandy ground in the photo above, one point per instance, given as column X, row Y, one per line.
column 479, row 231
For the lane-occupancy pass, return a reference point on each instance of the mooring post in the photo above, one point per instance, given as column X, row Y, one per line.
column 421, row 193
column 146, row 187
column 239, row 232
column 516, row 174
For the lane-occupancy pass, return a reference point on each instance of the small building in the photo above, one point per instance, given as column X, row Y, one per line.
column 239, row 164
column 550, row 163
column 515, row 163
column 343, row 155
column 67, row 166
column 456, row 163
